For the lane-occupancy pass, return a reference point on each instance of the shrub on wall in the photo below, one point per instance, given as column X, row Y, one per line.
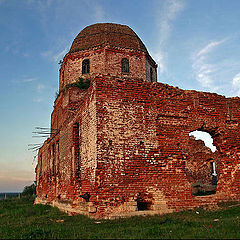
column 81, row 84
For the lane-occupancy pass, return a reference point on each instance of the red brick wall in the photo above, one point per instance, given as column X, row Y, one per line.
column 105, row 61
column 134, row 144
column 144, row 145
column 59, row 174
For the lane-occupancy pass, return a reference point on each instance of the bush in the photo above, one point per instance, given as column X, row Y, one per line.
column 29, row 190
column 81, row 84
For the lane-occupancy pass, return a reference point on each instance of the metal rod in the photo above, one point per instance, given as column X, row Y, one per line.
column 42, row 132
column 33, row 148
column 41, row 136
column 38, row 147
column 36, row 150
column 34, row 158
column 46, row 128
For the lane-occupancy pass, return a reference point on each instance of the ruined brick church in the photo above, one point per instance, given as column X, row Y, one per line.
column 120, row 144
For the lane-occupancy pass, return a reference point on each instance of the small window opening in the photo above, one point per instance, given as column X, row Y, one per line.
column 86, row 196
column 86, row 66
column 62, row 77
column 143, row 205
column 125, row 65
column 110, row 144
column 141, row 142
column 151, row 75
column 214, row 173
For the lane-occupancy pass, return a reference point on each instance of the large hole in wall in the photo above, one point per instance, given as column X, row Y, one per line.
column 205, row 137
column 205, row 173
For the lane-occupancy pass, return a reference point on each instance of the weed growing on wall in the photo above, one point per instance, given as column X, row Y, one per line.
column 81, row 84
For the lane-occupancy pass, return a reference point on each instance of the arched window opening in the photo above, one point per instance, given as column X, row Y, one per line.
column 76, row 146
column 203, row 169
column 86, row 66
column 151, row 74
column 125, row 65
column 205, row 137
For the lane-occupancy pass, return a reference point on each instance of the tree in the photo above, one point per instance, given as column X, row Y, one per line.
column 29, row 190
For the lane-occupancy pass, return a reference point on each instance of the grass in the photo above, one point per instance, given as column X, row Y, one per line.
column 20, row 219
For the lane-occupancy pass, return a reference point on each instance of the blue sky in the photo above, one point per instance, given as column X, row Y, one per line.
column 195, row 43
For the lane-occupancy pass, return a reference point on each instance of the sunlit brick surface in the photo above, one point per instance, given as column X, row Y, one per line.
column 126, row 140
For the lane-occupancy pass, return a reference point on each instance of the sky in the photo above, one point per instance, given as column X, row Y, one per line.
column 195, row 44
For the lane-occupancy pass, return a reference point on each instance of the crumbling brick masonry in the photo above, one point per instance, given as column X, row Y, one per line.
column 121, row 146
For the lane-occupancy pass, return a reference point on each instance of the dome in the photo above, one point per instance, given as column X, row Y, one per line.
column 103, row 34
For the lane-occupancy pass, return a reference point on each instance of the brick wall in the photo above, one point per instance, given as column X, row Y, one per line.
column 144, row 146
column 134, row 148
column 106, row 61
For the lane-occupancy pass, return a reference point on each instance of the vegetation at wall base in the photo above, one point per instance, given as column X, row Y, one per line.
column 20, row 219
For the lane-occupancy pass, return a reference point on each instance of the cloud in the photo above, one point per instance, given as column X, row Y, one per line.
column 47, row 54
column 203, row 70
column 11, row 183
column 98, row 13
column 54, row 57
column 29, row 80
column 42, row 5
column 171, row 9
column 24, row 79
column 70, row 16
column 210, row 47
column 167, row 13
column 12, row 47
column 26, row 54
column 60, row 55
column 13, row 179
column 40, row 87
column 236, row 83
column 160, row 59
column 38, row 100
column 14, row 184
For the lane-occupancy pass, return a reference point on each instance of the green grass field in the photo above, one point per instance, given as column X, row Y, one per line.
column 19, row 218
